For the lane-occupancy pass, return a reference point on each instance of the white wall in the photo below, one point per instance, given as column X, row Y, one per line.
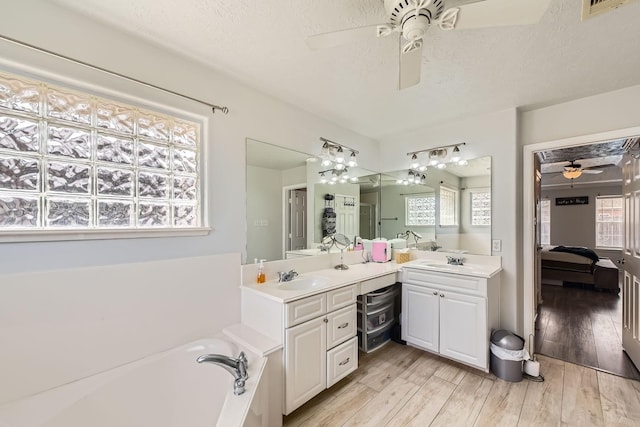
column 63, row 325
column 264, row 214
column 492, row 135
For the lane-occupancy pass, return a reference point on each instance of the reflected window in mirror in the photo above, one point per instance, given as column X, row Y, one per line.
column 448, row 206
column 420, row 210
column 481, row 207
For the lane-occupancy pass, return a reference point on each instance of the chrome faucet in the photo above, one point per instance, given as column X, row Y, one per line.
column 455, row 261
column 286, row 276
column 237, row 368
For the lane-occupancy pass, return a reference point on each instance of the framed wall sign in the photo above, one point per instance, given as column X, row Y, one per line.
column 566, row 201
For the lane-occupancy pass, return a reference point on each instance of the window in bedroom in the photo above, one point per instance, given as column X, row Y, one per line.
column 420, row 210
column 448, row 206
column 481, row 208
column 609, row 222
column 545, row 222
column 72, row 161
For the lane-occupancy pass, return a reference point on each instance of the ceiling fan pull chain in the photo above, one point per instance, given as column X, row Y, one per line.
column 449, row 19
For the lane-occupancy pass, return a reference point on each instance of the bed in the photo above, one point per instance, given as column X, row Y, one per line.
column 562, row 264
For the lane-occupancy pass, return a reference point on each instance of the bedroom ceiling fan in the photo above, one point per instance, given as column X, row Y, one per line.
column 574, row 170
column 412, row 18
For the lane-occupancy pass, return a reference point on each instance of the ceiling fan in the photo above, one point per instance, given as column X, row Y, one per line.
column 574, row 170
column 412, row 18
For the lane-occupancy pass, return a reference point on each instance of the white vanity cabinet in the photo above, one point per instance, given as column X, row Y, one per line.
column 450, row 314
column 320, row 344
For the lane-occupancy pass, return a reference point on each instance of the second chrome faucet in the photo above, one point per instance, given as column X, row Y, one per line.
column 286, row 276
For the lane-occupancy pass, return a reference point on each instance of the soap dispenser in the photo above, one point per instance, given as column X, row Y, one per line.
column 261, row 276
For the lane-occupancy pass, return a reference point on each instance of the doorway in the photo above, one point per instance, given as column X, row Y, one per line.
column 295, row 218
column 531, row 257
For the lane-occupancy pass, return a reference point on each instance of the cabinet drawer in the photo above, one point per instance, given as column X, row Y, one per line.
column 341, row 297
column 341, row 325
column 341, row 361
column 376, row 283
column 439, row 280
column 305, row 309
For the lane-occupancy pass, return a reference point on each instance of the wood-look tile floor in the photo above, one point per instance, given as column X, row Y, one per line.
column 402, row 386
column 583, row 326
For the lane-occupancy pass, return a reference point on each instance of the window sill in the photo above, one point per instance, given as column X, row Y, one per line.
column 21, row 236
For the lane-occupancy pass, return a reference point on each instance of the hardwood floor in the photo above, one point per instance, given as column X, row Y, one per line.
column 403, row 386
column 583, row 326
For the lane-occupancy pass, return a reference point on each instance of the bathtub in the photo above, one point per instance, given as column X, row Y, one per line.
column 168, row 389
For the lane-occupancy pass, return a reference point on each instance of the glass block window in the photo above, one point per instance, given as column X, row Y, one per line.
column 448, row 206
column 545, row 222
column 420, row 210
column 77, row 161
column 609, row 222
column 481, row 208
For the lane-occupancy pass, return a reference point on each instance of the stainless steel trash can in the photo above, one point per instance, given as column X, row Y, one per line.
column 508, row 370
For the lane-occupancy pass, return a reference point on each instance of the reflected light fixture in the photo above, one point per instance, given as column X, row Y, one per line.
column 415, row 164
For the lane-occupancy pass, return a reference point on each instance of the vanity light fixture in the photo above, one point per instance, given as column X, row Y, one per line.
column 337, row 174
column 438, row 157
column 333, row 155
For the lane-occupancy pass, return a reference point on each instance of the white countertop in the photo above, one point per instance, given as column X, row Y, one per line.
column 334, row 279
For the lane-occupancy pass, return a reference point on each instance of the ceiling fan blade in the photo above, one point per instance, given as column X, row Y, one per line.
column 498, row 13
column 592, row 171
column 337, row 38
column 410, row 66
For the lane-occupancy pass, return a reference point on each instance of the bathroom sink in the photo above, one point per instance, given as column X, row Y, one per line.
column 445, row 267
column 303, row 282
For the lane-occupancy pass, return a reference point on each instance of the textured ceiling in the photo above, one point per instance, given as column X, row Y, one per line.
column 465, row 72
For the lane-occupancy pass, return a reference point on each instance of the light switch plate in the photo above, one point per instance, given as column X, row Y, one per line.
column 496, row 245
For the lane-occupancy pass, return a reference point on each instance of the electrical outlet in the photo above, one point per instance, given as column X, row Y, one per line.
column 496, row 245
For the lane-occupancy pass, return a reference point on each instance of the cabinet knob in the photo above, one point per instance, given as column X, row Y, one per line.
column 441, row 295
column 344, row 325
column 435, row 292
column 344, row 362
column 326, row 320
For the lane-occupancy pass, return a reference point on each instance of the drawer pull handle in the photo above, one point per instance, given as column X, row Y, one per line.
column 326, row 320
column 435, row 292
column 344, row 362
column 344, row 325
column 441, row 295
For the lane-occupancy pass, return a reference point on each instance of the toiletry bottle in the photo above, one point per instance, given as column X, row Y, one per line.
column 261, row 276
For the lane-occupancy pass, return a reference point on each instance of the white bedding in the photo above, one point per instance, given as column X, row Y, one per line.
column 549, row 255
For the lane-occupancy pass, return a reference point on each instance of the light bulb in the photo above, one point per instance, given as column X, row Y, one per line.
column 399, row 181
column 441, row 165
column 334, row 178
column 345, row 175
column 405, row 182
column 422, row 168
column 339, row 156
column 326, row 162
column 340, row 166
column 414, row 161
column 323, row 178
column 352, row 160
column 455, row 155
column 354, row 179
column 463, row 162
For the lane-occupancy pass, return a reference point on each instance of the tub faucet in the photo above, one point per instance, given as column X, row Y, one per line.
column 237, row 368
column 455, row 260
column 286, row 276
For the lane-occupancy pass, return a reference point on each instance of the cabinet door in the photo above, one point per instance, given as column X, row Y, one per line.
column 463, row 328
column 305, row 362
column 420, row 316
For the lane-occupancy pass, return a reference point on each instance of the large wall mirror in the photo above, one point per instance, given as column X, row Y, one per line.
column 450, row 209
column 286, row 203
